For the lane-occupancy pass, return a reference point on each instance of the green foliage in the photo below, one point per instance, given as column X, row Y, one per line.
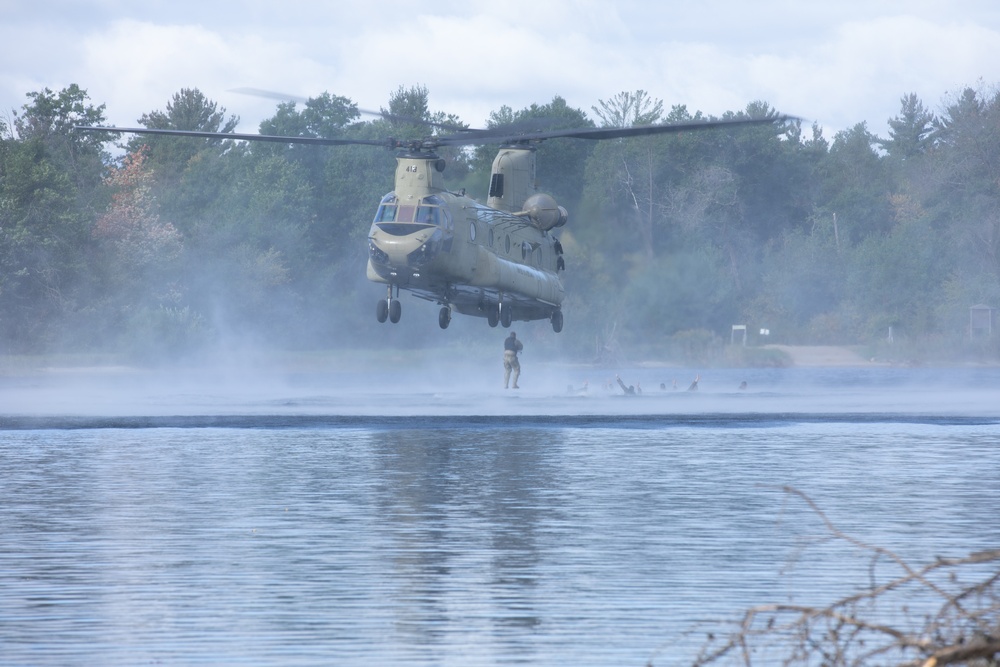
column 883, row 272
column 745, row 356
column 629, row 108
column 855, row 185
column 50, row 118
column 188, row 109
column 163, row 333
column 48, row 181
column 408, row 110
column 679, row 292
column 803, row 278
column 694, row 347
column 964, row 194
column 910, row 131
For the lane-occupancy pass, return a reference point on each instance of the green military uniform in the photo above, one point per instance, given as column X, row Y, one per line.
column 511, row 346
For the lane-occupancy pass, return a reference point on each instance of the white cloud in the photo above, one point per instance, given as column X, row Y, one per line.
column 138, row 66
column 835, row 63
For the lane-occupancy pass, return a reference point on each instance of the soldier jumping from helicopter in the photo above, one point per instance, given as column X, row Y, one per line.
column 511, row 346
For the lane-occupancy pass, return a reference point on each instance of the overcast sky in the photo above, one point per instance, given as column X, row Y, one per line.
column 836, row 63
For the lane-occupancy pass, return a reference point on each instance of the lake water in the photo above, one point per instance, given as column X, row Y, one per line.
column 428, row 519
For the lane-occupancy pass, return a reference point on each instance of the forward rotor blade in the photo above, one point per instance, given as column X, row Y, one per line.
column 315, row 141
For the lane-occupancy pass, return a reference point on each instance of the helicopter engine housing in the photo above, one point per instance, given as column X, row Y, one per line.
column 544, row 212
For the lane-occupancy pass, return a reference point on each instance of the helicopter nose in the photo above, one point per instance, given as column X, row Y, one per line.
column 409, row 250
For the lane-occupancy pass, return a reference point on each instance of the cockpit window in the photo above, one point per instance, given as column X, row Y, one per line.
column 386, row 209
column 405, row 213
column 432, row 210
column 428, row 215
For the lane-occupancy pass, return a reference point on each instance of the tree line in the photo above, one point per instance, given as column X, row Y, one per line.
column 151, row 245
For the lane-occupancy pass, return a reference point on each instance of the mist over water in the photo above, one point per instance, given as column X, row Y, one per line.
column 438, row 387
column 273, row 514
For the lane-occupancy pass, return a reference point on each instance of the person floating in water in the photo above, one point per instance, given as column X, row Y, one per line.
column 511, row 346
column 694, row 385
column 629, row 390
column 743, row 385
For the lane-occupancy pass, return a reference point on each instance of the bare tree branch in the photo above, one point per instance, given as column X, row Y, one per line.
column 964, row 630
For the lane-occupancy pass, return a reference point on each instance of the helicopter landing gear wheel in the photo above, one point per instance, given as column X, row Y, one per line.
column 505, row 316
column 395, row 310
column 444, row 317
column 382, row 310
column 557, row 321
column 493, row 316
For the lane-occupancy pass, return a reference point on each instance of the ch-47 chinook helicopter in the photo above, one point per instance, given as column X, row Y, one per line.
column 500, row 260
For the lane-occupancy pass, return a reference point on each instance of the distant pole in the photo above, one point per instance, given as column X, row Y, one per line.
column 742, row 328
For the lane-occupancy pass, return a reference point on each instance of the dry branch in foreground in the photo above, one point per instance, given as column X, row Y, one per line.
column 964, row 627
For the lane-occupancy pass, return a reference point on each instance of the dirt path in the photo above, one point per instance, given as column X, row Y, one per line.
column 822, row 355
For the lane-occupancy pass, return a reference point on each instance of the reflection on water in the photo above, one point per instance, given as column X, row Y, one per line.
column 303, row 538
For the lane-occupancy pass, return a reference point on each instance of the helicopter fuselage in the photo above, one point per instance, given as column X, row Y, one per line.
column 470, row 258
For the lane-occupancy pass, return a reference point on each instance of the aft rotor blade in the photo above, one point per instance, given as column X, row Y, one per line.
column 270, row 95
column 396, row 118
column 315, row 141
column 499, row 135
